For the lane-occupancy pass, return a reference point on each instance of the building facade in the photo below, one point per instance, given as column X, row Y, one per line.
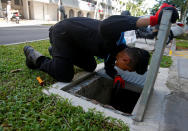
column 49, row 9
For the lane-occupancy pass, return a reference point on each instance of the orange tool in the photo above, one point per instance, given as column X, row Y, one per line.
column 41, row 82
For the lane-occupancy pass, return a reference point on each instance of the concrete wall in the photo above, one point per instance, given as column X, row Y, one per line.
column 52, row 11
column 17, row 7
column 47, row 9
column 38, row 11
column 25, row 9
column 75, row 10
column 43, row 11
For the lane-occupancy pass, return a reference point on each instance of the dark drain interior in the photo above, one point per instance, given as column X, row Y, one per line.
column 125, row 100
column 100, row 89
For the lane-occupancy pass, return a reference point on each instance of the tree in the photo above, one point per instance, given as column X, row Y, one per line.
column 155, row 8
column 134, row 7
column 181, row 5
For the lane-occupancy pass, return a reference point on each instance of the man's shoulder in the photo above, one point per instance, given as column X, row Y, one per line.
column 82, row 19
column 84, row 22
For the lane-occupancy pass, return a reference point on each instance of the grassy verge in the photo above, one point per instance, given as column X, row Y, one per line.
column 181, row 44
column 48, row 24
column 24, row 107
column 166, row 61
column 183, row 36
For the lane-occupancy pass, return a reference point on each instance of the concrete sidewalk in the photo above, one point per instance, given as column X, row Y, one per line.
column 23, row 22
column 168, row 107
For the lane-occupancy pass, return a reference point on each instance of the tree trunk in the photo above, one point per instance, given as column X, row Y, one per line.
column 185, row 12
column 181, row 14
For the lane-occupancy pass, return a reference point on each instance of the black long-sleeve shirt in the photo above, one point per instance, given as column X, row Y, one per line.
column 97, row 38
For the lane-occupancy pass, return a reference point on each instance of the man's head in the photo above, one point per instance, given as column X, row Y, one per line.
column 133, row 59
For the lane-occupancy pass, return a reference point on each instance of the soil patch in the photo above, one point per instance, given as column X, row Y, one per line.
column 181, row 48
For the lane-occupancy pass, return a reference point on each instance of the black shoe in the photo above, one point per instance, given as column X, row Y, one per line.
column 32, row 57
column 50, row 50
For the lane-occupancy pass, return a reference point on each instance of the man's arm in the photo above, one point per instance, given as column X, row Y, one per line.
column 112, row 27
column 142, row 22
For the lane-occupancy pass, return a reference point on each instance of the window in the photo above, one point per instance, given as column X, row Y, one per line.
column 88, row 15
column 17, row 2
column 80, row 14
column 101, row 16
column 71, row 13
column 4, row 1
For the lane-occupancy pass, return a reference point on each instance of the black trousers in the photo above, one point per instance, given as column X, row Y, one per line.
column 64, row 57
column 62, row 68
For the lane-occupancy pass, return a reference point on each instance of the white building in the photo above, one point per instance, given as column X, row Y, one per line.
column 48, row 9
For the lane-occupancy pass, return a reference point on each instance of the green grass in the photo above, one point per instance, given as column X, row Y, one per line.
column 182, row 43
column 48, row 24
column 23, row 106
column 183, row 36
column 166, row 61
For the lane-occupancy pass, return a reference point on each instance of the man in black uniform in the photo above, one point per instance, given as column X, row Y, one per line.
column 75, row 41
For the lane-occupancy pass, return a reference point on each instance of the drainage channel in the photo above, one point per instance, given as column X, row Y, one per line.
column 99, row 90
column 94, row 90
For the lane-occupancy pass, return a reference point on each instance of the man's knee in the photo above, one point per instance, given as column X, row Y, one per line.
column 87, row 64
column 64, row 72
column 59, row 68
column 64, row 77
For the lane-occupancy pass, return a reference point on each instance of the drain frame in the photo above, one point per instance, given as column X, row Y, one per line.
column 97, row 86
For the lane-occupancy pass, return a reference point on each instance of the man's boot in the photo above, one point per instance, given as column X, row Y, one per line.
column 33, row 57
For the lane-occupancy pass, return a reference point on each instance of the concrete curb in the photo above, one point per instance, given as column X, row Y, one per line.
column 27, row 42
column 26, row 23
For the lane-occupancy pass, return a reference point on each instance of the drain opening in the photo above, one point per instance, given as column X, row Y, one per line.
column 125, row 100
column 100, row 89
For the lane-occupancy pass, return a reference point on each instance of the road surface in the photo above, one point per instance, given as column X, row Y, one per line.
column 20, row 34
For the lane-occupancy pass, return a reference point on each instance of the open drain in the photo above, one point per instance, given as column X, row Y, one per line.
column 100, row 89
column 125, row 100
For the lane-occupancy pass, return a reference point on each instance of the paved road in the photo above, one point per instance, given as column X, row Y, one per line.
column 20, row 34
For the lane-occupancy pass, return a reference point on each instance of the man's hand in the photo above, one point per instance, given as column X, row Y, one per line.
column 118, row 81
column 118, row 84
column 156, row 19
